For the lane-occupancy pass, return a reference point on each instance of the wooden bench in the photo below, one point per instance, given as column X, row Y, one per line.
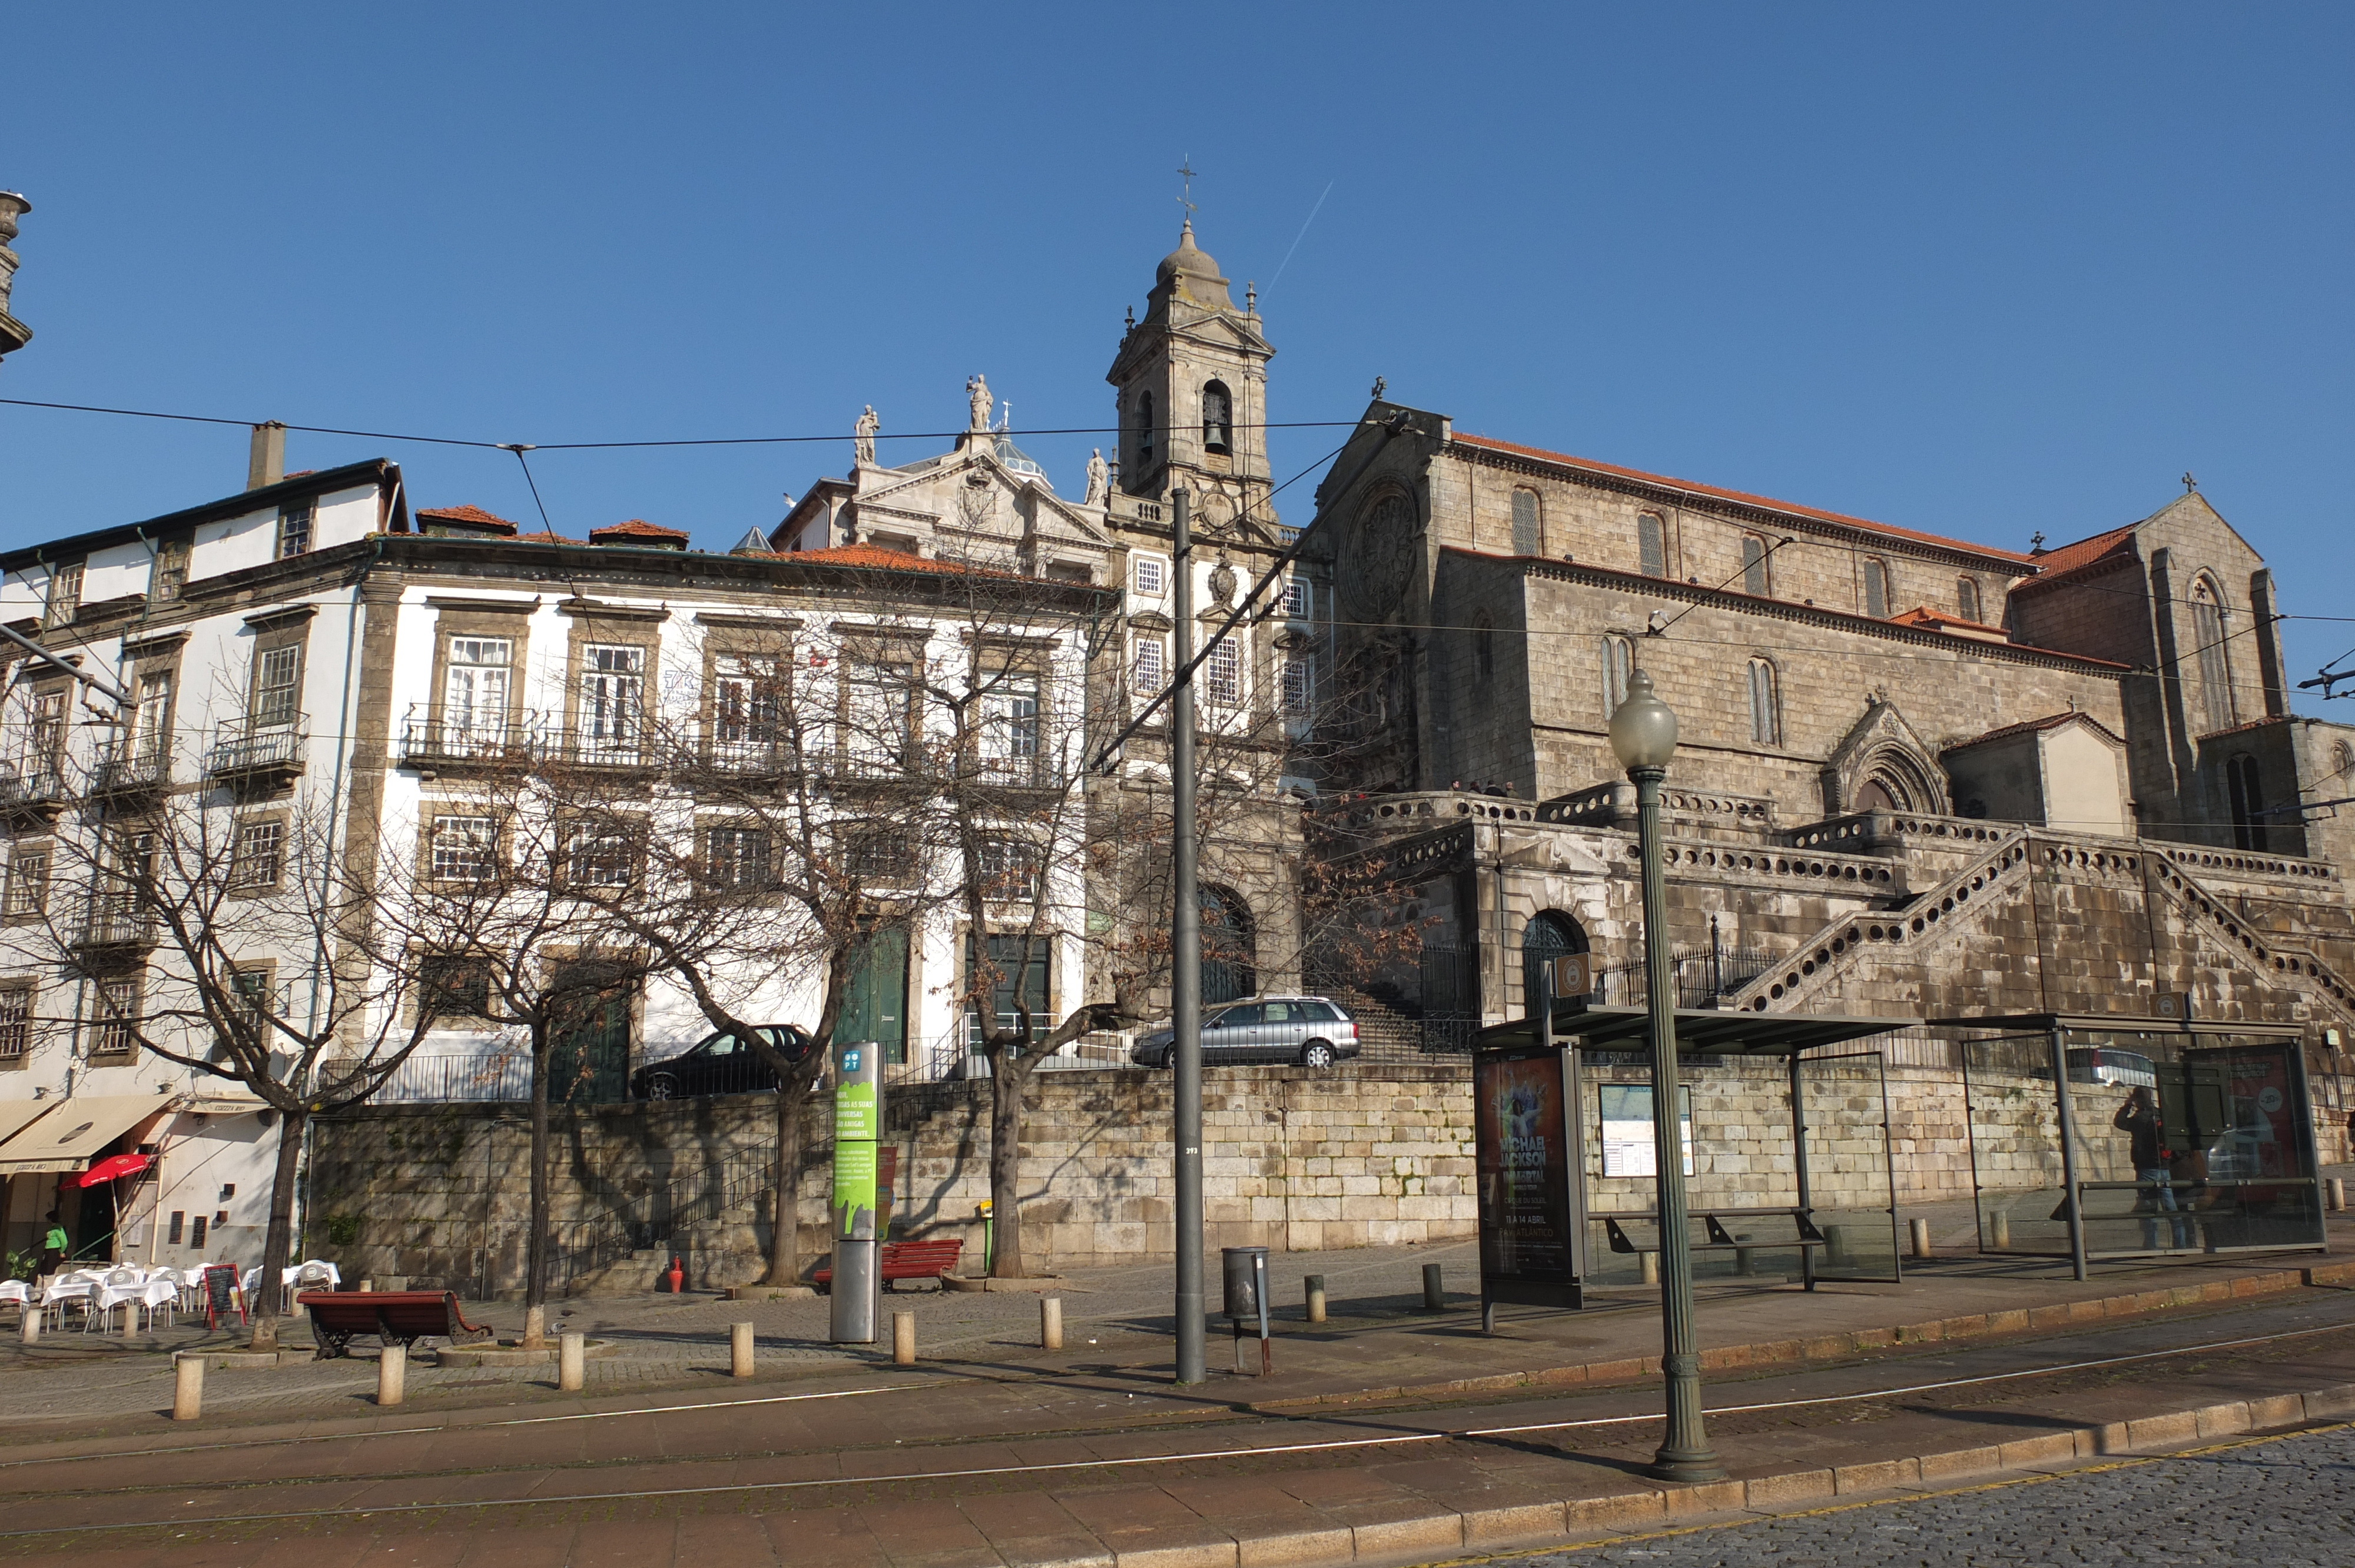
column 395, row 1317
column 908, row 1260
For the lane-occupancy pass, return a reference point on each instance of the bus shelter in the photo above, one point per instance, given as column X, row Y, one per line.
column 1787, row 1160
column 2094, row 1137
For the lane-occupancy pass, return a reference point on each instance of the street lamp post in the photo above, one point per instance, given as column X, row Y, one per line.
column 1643, row 737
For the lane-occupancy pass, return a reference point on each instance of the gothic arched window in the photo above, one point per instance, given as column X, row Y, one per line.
column 1547, row 936
column 2248, row 802
column 1765, row 705
column 2216, row 703
column 1528, row 523
column 1218, row 418
column 1753, row 566
column 2343, row 760
column 1652, row 544
column 1144, row 432
column 1876, row 588
column 1967, row 598
column 1618, row 664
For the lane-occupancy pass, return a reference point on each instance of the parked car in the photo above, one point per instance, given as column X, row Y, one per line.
column 719, row 1063
column 2104, row 1064
column 1309, row 1030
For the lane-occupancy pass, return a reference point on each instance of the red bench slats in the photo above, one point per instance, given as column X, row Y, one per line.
column 910, row 1260
column 401, row 1316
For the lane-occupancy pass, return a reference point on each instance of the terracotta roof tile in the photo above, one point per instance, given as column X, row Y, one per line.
column 1921, row 615
column 2068, row 558
column 636, row 529
column 876, row 557
column 475, row 516
column 547, row 536
column 2050, row 721
column 1743, row 497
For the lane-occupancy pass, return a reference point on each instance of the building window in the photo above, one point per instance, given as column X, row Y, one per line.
column 115, row 1016
column 151, row 721
column 1618, row 664
column 1223, row 674
column 1483, row 651
column 277, row 685
column 248, row 995
column 882, row 701
column 1753, row 566
column 882, row 856
column 65, row 594
column 1149, row 669
column 1876, row 588
column 28, row 884
column 1009, row 870
column 2248, row 802
column 1152, row 576
column 1015, row 977
column 1652, row 544
column 1765, row 705
column 602, row 856
column 612, row 699
column 1011, row 726
column 736, row 859
column 474, row 687
column 295, row 529
column 2215, row 668
column 1299, row 598
column 46, row 737
column 1967, row 598
column 1218, row 418
column 168, row 577
column 449, row 986
column 1144, row 432
column 748, row 703
column 255, row 859
column 15, row 1022
column 464, row 849
column 2343, row 760
column 1299, row 683
column 1528, row 528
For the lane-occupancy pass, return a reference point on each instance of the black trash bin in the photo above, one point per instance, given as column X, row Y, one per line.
column 1245, row 1268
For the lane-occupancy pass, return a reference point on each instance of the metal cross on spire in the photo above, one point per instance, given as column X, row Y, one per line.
column 2190, row 485
column 1186, row 200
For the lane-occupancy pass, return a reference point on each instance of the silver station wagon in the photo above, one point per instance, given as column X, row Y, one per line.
column 1309, row 1030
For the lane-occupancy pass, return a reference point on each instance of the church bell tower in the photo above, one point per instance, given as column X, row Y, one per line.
column 1192, row 391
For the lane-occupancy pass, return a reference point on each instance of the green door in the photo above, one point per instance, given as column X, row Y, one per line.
column 877, row 1007
column 589, row 1057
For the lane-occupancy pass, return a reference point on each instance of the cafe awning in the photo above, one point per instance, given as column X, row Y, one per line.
column 15, row 1114
column 74, row 1130
column 1700, row 1031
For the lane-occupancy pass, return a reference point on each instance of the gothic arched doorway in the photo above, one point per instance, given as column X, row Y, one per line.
column 1547, row 936
column 1230, row 956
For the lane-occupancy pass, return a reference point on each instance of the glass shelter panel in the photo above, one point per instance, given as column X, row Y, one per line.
column 2015, row 1146
column 1851, row 1184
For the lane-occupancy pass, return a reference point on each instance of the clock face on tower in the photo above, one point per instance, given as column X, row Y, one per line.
column 1385, row 556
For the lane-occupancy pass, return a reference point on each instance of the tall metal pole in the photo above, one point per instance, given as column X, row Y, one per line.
column 1684, row 1454
column 2064, row 1107
column 1185, row 963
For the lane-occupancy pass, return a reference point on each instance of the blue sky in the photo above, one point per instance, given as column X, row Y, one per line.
column 1987, row 270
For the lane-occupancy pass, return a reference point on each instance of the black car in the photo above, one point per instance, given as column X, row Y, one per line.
column 720, row 1065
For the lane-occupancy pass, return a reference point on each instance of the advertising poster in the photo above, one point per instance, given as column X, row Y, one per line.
column 1523, row 1149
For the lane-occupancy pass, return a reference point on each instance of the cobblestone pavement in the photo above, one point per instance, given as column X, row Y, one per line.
column 2278, row 1502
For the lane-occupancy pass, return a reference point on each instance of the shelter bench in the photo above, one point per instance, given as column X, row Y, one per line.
column 907, row 1260
column 395, row 1317
column 1720, row 1238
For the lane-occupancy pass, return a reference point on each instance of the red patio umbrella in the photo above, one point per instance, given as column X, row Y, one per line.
column 107, row 1170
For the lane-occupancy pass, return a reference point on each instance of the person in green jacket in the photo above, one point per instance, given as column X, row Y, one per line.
column 54, row 1245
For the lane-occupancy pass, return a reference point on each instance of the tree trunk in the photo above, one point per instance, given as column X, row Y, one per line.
column 1007, row 1082
column 279, row 1244
column 535, row 1275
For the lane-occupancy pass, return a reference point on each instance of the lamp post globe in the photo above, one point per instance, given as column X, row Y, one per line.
column 1642, row 727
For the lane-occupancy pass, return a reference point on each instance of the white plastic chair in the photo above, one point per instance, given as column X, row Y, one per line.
column 19, row 1292
column 117, row 1288
column 175, row 1285
column 63, row 1289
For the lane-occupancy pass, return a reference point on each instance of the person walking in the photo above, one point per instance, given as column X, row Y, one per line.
column 55, row 1245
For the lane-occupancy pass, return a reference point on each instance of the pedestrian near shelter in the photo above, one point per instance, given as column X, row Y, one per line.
column 1786, row 1155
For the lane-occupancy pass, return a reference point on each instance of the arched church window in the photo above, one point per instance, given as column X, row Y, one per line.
column 1218, row 418
column 2342, row 761
column 1528, row 523
column 1753, row 566
column 2248, row 802
column 1967, row 598
column 1229, row 957
column 1144, row 430
column 1618, row 664
column 1876, row 588
column 1652, row 544
column 1547, row 936
column 2208, row 642
column 1765, row 705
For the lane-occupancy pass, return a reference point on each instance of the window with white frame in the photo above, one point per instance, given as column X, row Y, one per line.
column 29, row 883
column 1009, row 870
column 748, row 703
column 463, row 848
column 65, row 593
column 475, row 685
column 114, row 1015
column 1223, row 674
column 15, row 1022
column 257, row 856
column 294, row 528
column 1298, row 599
column 167, row 578
column 151, row 721
column 1152, row 576
column 1299, row 683
column 613, row 698
column 881, row 703
column 1011, row 729
column 45, row 736
column 1149, row 669
column 277, row 685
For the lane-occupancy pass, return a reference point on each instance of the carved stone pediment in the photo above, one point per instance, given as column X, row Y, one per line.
column 1884, row 756
column 1151, row 621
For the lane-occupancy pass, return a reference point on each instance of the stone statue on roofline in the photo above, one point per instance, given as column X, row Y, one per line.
column 976, row 391
column 864, row 449
column 1099, row 478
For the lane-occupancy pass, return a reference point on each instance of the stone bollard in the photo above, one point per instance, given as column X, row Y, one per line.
column 2338, row 1194
column 1434, row 1291
column 571, row 1362
column 1051, row 1322
column 187, row 1387
column 1921, row 1228
column 1744, row 1260
column 903, row 1339
column 368, row 1285
column 739, row 1349
column 391, row 1374
column 1314, row 1284
column 1999, row 1231
column 28, row 1327
column 1649, row 1262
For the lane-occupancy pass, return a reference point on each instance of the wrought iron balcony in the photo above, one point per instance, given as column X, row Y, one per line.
column 244, row 753
column 430, row 738
column 31, row 788
column 126, row 769
column 750, row 758
column 110, row 924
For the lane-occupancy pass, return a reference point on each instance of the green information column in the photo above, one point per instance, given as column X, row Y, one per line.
column 857, row 1128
